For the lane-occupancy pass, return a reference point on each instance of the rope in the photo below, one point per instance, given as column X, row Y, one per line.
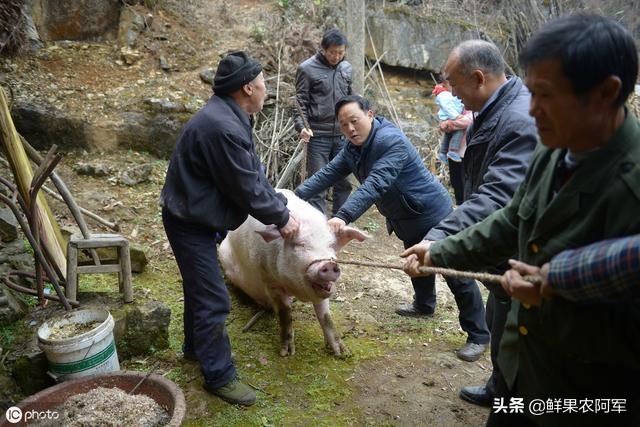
column 483, row 277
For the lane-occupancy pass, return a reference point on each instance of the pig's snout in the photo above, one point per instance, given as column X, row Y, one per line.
column 329, row 271
column 323, row 275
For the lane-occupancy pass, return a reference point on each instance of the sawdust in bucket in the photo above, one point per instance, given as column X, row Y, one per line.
column 79, row 343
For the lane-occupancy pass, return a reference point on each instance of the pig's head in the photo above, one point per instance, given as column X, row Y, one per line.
column 310, row 259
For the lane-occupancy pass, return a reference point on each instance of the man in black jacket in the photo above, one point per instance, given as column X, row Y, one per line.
column 500, row 143
column 321, row 81
column 213, row 182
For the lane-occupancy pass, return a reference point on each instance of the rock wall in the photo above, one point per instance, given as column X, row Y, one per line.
column 43, row 126
column 76, row 19
column 411, row 41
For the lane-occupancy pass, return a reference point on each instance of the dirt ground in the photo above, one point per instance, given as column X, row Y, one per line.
column 415, row 378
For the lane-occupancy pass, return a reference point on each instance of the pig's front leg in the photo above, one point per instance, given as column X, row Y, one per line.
column 287, row 344
column 331, row 337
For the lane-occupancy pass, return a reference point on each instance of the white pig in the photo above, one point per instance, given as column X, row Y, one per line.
column 272, row 271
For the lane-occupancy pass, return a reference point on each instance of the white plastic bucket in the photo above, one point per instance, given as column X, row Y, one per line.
column 87, row 353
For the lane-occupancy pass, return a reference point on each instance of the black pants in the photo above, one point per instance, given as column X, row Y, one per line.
column 498, row 306
column 206, row 299
column 466, row 292
column 455, row 176
column 468, row 299
column 320, row 151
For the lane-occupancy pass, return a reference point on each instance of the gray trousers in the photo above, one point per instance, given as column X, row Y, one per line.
column 320, row 151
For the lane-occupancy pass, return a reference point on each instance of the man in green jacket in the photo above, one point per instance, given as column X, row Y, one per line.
column 566, row 364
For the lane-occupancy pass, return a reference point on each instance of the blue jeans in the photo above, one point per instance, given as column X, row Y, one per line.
column 320, row 151
column 206, row 299
column 451, row 141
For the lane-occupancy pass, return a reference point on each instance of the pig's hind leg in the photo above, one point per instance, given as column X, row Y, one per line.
column 331, row 337
column 282, row 306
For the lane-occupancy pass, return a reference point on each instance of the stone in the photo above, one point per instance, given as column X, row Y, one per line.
column 30, row 372
column 208, row 75
column 76, row 20
column 131, row 25
column 40, row 124
column 163, row 105
column 136, row 174
column 130, row 56
column 138, row 258
column 11, row 308
column 8, row 225
column 141, row 329
column 93, row 169
column 164, row 64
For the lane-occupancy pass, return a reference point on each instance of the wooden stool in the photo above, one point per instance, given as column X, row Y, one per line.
column 96, row 241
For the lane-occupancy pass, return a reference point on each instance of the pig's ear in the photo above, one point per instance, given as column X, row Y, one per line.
column 348, row 234
column 270, row 233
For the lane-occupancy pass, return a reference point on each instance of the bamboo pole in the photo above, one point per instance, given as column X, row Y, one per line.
column 23, row 175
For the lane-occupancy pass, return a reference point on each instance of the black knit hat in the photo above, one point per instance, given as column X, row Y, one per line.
column 234, row 71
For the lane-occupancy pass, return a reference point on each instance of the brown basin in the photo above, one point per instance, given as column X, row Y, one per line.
column 166, row 393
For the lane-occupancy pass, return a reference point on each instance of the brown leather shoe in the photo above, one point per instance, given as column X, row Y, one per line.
column 471, row 351
column 410, row 310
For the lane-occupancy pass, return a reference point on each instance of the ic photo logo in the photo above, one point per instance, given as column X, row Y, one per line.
column 14, row 414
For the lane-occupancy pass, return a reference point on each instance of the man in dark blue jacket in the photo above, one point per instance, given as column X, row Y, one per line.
column 393, row 177
column 500, row 144
column 213, row 182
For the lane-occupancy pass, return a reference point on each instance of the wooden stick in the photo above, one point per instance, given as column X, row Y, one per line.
column 483, row 277
column 19, row 162
column 151, row 371
column 305, row 123
column 296, row 158
column 253, row 320
column 65, row 197
column 375, row 64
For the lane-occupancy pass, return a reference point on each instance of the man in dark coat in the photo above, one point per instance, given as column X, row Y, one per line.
column 500, row 143
column 320, row 82
column 213, row 182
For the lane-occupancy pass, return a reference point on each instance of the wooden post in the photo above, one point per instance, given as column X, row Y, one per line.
column 23, row 174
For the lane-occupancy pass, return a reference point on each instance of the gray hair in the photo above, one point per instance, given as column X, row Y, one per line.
column 479, row 55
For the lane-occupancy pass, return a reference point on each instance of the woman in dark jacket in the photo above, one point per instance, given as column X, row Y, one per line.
column 391, row 175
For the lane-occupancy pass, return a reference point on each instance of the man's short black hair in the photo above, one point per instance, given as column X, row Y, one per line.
column 333, row 37
column 363, row 103
column 590, row 48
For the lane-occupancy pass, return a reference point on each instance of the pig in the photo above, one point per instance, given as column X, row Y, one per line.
column 273, row 271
